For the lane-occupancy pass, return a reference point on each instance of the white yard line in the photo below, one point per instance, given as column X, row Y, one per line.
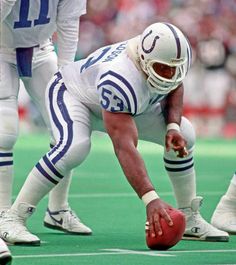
column 110, row 252
column 127, row 252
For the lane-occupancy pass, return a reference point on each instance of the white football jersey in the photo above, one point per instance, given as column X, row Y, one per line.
column 32, row 22
column 109, row 79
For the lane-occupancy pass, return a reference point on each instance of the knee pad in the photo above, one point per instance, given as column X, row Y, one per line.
column 9, row 127
column 75, row 155
column 188, row 132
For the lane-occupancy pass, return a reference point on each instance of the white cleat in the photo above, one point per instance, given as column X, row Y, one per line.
column 197, row 228
column 5, row 254
column 67, row 221
column 224, row 216
column 13, row 226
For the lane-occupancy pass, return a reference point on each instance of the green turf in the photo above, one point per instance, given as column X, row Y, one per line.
column 104, row 200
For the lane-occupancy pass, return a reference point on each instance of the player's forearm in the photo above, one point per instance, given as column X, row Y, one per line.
column 173, row 107
column 67, row 37
column 5, row 8
column 134, row 170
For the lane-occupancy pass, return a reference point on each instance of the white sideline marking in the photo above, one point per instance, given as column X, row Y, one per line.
column 148, row 253
column 202, row 250
column 115, row 251
column 110, row 252
column 173, row 252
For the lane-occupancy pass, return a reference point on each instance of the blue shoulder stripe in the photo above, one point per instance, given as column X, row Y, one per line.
column 126, row 83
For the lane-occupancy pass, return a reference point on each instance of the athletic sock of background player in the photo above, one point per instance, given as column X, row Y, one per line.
column 36, row 187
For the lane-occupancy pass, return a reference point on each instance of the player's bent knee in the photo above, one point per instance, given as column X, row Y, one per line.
column 9, row 128
column 77, row 154
column 188, row 132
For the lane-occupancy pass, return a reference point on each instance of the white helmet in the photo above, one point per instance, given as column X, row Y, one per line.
column 166, row 44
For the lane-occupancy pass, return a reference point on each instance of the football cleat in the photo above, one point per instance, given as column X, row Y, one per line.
column 224, row 216
column 13, row 226
column 197, row 228
column 67, row 221
column 5, row 254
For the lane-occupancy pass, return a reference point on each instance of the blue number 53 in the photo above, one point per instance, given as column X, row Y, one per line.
column 107, row 96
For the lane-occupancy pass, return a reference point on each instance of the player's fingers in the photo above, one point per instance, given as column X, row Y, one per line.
column 168, row 143
column 147, row 229
column 167, row 217
column 152, row 231
column 157, row 225
column 183, row 152
column 179, row 144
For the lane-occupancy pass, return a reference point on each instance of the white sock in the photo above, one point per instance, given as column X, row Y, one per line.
column 184, row 188
column 58, row 197
column 6, row 182
column 34, row 189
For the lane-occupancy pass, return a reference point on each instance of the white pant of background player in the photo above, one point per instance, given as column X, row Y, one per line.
column 44, row 65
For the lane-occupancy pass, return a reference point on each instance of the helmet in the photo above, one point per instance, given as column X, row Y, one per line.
column 166, row 44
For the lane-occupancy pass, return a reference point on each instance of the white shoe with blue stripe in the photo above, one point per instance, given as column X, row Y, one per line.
column 66, row 221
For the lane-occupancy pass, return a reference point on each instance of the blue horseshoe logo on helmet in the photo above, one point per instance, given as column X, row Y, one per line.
column 153, row 44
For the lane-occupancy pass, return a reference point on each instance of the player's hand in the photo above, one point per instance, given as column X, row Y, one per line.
column 157, row 209
column 175, row 141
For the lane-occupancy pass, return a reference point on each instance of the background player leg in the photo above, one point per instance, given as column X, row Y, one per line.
column 9, row 86
column 58, row 197
column 224, row 216
column 47, row 173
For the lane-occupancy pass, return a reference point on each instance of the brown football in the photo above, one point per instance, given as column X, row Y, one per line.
column 171, row 234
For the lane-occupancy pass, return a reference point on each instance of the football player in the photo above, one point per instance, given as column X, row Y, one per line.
column 132, row 90
column 27, row 53
column 224, row 216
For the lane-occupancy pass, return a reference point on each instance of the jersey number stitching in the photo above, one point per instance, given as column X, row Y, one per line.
column 106, row 101
column 91, row 60
column 24, row 22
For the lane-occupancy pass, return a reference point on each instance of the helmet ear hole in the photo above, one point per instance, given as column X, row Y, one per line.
column 142, row 56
